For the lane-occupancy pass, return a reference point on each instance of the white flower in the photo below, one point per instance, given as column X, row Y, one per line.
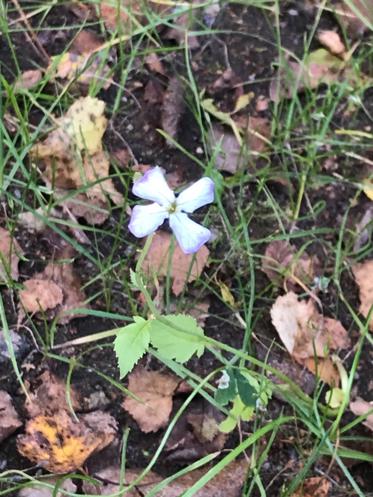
column 145, row 219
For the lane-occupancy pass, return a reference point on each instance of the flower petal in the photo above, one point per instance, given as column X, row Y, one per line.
column 153, row 186
column 146, row 218
column 197, row 195
column 190, row 235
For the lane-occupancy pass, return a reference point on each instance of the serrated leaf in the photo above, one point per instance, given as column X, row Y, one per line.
column 175, row 344
column 247, row 392
column 131, row 343
column 133, row 279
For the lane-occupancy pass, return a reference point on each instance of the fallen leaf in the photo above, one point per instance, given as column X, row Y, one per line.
column 353, row 24
column 109, row 480
column 128, row 15
column 360, row 407
column 28, row 79
column 317, row 486
column 364, row 228
column 196, row 434
column 318, row 67
column 83, row 68
column 368, row 188
column 40, row 295
column 256, row 132
column 230, row 157
column 50, row 396
column 155, row 391
column 243, row 101
column 325, row 369
column 304, row 331
column 59, row 444
column 227, row 483
column 172, row 107
column 86, row 42
column 153, row 93
column 154, row 63
column 363, row 274
column 32, row 222
column 72, row 158
column 57, row 288
column 183, row 24
column 183, row 268
column 9, row 419
column 332, row 42
column 10, row 252
column 36, row 490
column 262, row 104
column 283, row 266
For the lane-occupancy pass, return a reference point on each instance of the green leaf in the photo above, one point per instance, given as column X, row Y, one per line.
column 239, row 411
column 131, row 343
column 247, row 392
column 176, row 344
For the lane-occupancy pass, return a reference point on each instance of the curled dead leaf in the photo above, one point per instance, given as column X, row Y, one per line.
column 304, row 331
column 363, row 274
column 10, row 251
column 60, row 444
column 183, row 268
column 155, row 391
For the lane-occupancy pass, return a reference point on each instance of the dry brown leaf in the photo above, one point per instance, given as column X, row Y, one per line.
column 63, row 285
column 28, row 79
column 284, row 266
column 154, row 63
column 60, row 444
column 9, row 419
column 304, row 331
column 227, row 483
column 82, row 67
column 72, row 158
column 156, row 391
column 153, row 93
column 363, row 274
column 109, row 482
column 50, row 396
column 320, row 66
column 256, row 132
column 183, row 268
column 40, row 295
column 86, row 42
column 332, row 41
column 230, row 158
column 350, row 21
column 172, row 107
column 127, row 15
column 317, row 486
column 360, row 407
column 40, row 491
column 10, row 252
column 325, row 369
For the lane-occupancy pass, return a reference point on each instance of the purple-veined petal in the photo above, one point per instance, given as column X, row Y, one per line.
column 196, row 195
column 190, row 235
column 153, row 186
column 146, row 218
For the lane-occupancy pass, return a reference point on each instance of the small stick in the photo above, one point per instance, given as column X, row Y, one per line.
column 32, row 38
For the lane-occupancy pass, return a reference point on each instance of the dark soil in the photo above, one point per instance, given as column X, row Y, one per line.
column 246, row 45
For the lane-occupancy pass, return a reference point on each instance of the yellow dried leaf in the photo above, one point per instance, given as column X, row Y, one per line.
column 243, row 101
column 368, row 188
column 226, row 294
column 60, row 444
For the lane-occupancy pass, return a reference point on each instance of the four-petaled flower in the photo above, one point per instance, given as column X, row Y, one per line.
column 146, row 219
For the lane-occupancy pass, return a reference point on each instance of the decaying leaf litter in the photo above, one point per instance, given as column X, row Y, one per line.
column 85, row 160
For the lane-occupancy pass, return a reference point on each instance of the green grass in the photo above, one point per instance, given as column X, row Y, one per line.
column 249, row 213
